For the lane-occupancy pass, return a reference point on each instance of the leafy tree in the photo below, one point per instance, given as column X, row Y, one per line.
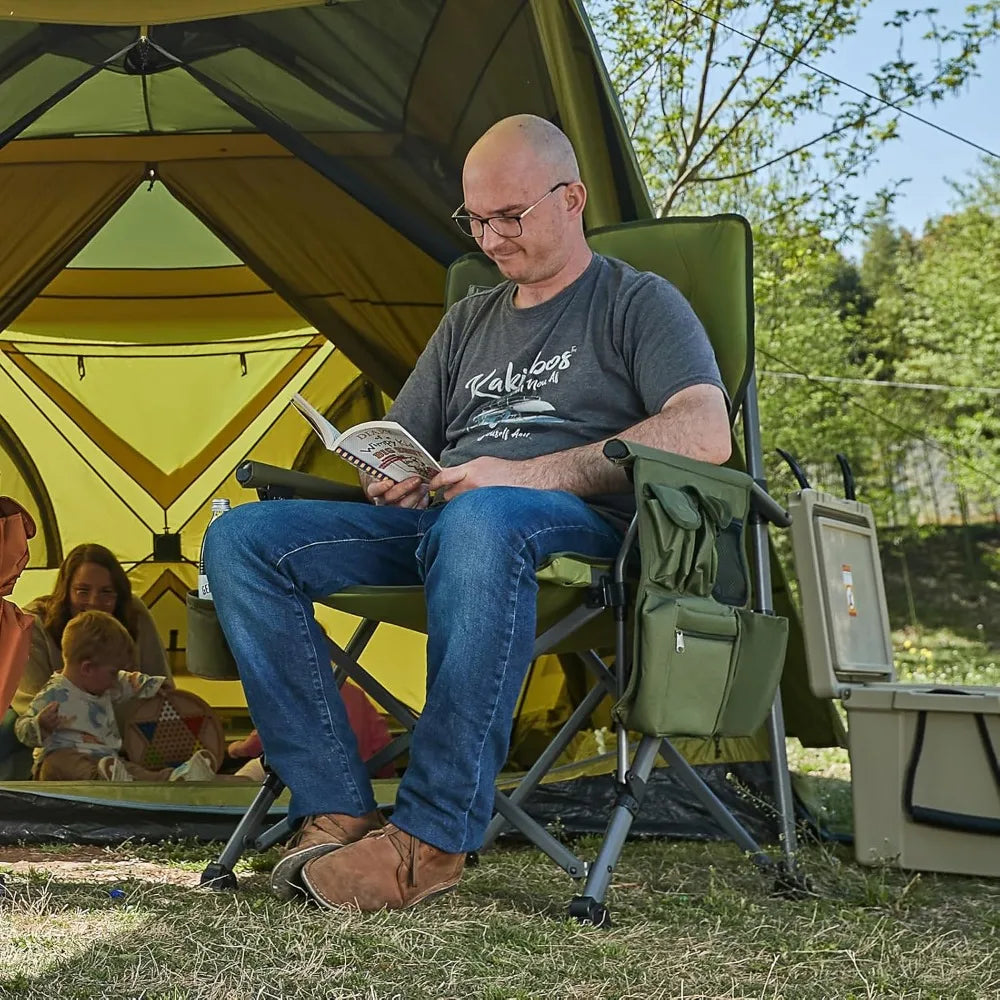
column 727, row 113
column 945, row 309
column 717, row 95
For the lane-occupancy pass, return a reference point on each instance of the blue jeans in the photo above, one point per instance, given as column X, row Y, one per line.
column 476, row 557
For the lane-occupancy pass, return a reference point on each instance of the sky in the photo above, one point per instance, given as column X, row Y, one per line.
column 921, row 153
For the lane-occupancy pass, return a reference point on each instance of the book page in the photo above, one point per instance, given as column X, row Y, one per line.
column 327, row 432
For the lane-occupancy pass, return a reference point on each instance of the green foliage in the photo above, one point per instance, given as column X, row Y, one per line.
column 727, row 113
column 944, row 313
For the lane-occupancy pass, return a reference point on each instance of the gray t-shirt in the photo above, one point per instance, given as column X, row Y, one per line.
column 605, row 353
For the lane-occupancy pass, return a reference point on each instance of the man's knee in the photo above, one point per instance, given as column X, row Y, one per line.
column 475, row 530
column 488, row 511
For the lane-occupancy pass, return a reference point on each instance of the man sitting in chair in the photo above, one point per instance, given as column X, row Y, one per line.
column 517, row 391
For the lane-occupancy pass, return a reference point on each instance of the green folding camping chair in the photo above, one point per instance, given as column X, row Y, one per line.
column 697, row 648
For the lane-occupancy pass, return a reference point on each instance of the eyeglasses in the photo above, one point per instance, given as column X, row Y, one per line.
column 507, row 226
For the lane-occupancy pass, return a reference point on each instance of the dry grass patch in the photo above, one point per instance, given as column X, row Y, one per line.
column 691, row 920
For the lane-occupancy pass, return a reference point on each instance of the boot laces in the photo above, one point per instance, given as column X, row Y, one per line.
column 407, row 852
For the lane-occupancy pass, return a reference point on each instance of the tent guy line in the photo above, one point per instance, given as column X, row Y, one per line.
column 837, row 80
column 844, row 397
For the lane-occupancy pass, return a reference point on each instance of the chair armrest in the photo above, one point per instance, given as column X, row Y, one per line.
column 274, row 483
column 762, row 504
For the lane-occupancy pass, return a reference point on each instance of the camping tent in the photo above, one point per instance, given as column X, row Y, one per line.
column 207, row 206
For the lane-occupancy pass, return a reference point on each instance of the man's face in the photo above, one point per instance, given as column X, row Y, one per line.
column 507, row 186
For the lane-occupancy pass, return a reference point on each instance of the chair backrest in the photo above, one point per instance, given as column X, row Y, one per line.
column 709, row 260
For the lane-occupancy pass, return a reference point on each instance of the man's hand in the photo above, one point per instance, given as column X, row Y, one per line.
column 49, row 719
column 412, row 492
column 483, row 471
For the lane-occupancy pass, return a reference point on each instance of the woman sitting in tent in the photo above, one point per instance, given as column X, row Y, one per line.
column 90, row 578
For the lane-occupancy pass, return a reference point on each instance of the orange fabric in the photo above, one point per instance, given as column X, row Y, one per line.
column 16, row 527
column 48, row 213
column 369, row 727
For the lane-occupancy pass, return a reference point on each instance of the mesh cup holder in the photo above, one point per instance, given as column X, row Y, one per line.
column 208, row 653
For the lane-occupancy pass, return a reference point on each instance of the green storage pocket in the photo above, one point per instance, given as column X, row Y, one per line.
column 756, row 672
column 684, row 651
column 674, row 518
column 685, row 525
column 208, row 653
column 704, row 565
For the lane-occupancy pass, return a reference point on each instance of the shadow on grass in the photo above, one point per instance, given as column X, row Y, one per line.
column 71, row 935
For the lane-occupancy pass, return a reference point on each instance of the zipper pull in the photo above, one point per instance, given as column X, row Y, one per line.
column 680, row 640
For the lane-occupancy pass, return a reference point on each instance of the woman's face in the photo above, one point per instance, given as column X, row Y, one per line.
column 91, row 589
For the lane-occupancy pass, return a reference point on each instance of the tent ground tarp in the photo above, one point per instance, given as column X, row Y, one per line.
column 578, row 806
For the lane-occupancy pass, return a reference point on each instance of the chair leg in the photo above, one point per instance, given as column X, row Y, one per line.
column 539, row 836
column 220, row 874
column 251, row 830
column 730, row 825
column 782, row 786
column 540, row 768
column 589, row 906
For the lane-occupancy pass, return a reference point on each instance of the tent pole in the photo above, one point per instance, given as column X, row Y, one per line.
column 436, row 246
column 13, row 131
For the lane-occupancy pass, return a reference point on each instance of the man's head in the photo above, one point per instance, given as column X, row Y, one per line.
column 514, row 166
column 95, row 646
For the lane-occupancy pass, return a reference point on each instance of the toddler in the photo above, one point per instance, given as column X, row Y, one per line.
column 71, row 721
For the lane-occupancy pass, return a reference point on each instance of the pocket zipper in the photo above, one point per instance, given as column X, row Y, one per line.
column 679, row 647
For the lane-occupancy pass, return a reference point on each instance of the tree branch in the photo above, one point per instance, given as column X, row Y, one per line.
column 791, row 152
column 790, row 60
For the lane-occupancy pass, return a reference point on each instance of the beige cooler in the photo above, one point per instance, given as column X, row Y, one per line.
column 924, row 759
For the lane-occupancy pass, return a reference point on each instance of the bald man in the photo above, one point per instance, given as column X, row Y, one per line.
column 517, row 391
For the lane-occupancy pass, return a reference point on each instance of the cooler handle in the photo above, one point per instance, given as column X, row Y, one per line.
column 942, row 817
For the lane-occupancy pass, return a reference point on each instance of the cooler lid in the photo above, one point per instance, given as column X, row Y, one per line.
column 844, row 613
column 922, row 698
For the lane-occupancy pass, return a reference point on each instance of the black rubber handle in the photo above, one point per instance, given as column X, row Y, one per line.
column 289, row 483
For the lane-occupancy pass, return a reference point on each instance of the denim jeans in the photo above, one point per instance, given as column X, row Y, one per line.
column 476, row 557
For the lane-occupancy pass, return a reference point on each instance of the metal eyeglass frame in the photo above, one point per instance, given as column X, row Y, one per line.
column 463, row 219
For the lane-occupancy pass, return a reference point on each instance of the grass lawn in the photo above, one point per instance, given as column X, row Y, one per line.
column 690, row 920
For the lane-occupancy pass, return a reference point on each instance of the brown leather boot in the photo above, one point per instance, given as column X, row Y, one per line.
column 388, row 869
column 316, row 836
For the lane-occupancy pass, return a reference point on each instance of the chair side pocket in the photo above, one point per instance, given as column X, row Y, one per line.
column 756, row 672
column 674, row 519
column 208, row 654
column 684, row 652
column 704, row 565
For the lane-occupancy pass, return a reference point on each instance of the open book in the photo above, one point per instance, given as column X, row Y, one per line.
column 379, row 447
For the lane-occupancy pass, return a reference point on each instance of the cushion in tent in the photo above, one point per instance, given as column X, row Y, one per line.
column 165, row 730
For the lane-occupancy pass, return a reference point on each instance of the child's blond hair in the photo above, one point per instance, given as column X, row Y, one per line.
column 100, row 637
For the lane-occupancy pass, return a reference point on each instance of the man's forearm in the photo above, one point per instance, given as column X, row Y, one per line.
column 696, row 428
